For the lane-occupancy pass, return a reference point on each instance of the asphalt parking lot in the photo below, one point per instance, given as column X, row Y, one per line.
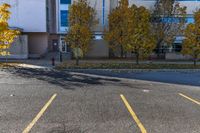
column 41, row 101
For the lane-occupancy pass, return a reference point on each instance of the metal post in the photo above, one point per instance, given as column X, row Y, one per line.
column 53, row 61
column 61, row 60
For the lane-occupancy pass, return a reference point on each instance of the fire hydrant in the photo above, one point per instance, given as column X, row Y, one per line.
column 53, row 61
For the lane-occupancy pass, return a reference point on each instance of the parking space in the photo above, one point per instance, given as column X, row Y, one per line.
column 189, row 98
column 88, row 110
column 76, row 103
column 39, row 115
column 165, row 111
column 133, row 114
column 16, row 110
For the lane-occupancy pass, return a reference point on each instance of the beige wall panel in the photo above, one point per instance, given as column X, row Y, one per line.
column 98, row 49
column 19, row 49
column 38, row 44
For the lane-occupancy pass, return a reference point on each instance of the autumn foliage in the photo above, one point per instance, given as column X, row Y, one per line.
column 141, row 39
column 116, row 34
column 130, row 29
column 191, row 45
column 7, row 36
column 82, row 17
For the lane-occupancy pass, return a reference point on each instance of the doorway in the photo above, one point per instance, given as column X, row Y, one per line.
column 55, row 46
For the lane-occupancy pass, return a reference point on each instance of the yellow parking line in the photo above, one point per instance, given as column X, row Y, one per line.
column 28, row 128
column 133, row 114
column 191, row 99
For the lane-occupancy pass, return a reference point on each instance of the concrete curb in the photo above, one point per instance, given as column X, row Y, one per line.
column 132, row 70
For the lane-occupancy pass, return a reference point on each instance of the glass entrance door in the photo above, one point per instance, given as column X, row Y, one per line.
column 63, row 46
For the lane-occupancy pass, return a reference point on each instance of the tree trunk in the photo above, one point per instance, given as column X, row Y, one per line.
column 122, row 52
column 195, row 61
column 137, row 58
column 159, row 49
column 159, row 52
column 125, row 55
column 77, row 61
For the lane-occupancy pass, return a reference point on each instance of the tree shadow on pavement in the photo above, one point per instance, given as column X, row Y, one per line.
column 180, row 78
column 65, row 80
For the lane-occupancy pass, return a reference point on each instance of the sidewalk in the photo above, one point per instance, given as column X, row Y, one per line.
column 37, row 64
column 42, row 63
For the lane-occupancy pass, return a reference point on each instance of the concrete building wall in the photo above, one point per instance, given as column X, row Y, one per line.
column 98, row 49
column 177, row 56
column 102, row 8
column 147, row 3
column 29, row 15
column 192, row 5
column 113, row 4
column 38, row 44
column 19, row 49
column 52, row 16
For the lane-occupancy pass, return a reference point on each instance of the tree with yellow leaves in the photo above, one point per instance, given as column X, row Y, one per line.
column 116, row 34
column 140, row 39
column 7, row 36
column 168, row 19
column 82, row 17
column 191, row 44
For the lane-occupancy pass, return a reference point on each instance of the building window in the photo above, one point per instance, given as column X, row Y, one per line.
column 190, row 20
column 64, row 18
column 65, row 1
column 171, row 20
column 64, row 47
column 103, row 12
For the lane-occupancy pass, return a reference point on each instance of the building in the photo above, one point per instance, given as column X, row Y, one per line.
column 30, row 16
column 58, row 26
column 45, row 23
column 174, row 52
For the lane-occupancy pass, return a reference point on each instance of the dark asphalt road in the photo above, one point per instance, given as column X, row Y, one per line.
column 182, row 77
column 88, row 104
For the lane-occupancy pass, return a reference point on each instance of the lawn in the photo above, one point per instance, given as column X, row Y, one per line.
column 126, row 66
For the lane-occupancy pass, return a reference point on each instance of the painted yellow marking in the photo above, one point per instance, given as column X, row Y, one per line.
column 191, row 99
column 133, row 114
column 29, row 127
